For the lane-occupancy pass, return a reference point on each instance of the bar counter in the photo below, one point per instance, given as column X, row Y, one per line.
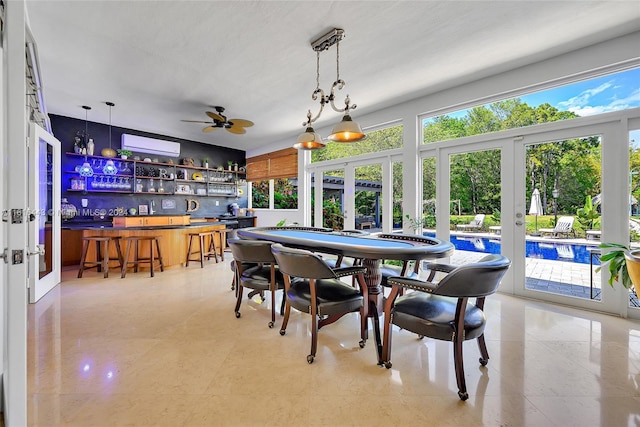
column 173, row 239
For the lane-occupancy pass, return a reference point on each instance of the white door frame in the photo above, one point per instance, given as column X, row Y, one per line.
column 349, row 186
column 38, row 287
column 614, row 129
column 15, row 187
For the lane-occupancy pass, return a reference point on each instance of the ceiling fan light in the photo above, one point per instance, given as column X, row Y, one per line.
column 347, row 131
column 309, row 140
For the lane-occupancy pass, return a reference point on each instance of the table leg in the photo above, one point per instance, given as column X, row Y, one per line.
column 372, row 278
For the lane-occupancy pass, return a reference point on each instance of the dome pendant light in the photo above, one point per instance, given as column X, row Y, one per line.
column 109, row 152
column 345, row 131
column 86, row 170
column 310, row 139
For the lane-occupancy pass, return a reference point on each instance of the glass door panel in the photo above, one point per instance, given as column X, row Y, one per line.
column 368, row 197
column 333, row 199
column 634, row 206
column 429, row 195
column 475, row 196
column 396, row 195
column 44, row 213
column 562, row 198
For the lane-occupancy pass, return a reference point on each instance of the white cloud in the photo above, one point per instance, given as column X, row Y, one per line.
column 630, row 101
column 583, row 98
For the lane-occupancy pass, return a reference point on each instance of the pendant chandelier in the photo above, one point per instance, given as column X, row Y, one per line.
column 345, row 131
column 109, row 167
column 86, row 170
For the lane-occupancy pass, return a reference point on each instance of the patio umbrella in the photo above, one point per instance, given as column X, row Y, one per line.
column 536, row 207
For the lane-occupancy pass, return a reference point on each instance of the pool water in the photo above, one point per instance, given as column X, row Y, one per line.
column 542, row 250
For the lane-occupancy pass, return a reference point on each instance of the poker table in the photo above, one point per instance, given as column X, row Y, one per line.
column 370, row 248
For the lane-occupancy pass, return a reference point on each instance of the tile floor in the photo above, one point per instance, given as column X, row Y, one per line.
column 169, row 351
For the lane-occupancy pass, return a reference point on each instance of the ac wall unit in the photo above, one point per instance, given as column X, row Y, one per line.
column 142, row 144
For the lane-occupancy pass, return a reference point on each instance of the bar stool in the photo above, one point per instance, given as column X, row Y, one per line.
column 223, row 240
column 102, row 254
column 205, row 251
column 137, row 260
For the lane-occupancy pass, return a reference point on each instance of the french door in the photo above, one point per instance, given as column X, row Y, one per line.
column 44, row 217
column 555, row 267
column 352, row 195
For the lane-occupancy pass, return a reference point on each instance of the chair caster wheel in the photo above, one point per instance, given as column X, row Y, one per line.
column 238, row 314
column 362, row 343
column 483, row 362
column 388, row 365
column 282, row 332
column 310, row 359
column 463, row 396
column 271, row 324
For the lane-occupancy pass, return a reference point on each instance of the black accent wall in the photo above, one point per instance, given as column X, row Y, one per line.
column 65, row 129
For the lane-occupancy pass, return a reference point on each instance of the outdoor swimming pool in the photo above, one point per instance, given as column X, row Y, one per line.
column 543, row 250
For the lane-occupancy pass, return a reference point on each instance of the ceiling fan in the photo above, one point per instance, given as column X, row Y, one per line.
column 219, row 120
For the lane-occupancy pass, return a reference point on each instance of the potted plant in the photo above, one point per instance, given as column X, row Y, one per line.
column 623, row 265
column 124, row 154
column 205, row 162
column 230, row 164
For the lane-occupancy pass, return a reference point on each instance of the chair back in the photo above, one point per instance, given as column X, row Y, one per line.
column 475, row 280
column 564, row 224
column 251, row 251
column 301, row 263
column 478, row 220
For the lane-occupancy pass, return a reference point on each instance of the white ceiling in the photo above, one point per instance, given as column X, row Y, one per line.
column 163, row 61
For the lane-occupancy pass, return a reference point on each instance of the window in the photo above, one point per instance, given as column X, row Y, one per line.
column 612, row 92
column 279, row 167
column 376, row 141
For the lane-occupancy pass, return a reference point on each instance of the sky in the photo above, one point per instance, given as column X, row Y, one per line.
column 613, row 92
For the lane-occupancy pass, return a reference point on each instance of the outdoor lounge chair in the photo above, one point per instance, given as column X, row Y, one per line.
column 475, row 224
column 563, row 227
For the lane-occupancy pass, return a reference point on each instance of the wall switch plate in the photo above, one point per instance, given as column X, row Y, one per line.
column 217, row 203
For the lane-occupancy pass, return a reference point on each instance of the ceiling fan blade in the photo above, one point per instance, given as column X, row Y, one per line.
column 242, row 122
column 194, row 121
column 215, row 116
column 209, row 129
column 237, row 130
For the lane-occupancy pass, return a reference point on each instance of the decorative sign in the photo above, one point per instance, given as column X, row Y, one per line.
column 192, row 205
column 143, row 210
column 168, row 204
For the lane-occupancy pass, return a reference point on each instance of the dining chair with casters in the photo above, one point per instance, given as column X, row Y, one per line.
column 443, row 311
column 256, row 269
column 311, row 286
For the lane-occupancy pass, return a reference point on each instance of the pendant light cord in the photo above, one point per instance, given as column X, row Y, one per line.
column 110, row 104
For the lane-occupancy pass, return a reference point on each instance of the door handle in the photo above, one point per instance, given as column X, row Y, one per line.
column 519, row 223
column 39, row 250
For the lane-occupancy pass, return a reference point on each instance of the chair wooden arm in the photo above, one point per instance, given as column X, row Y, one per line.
column 409, row 283
column 349, row 271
